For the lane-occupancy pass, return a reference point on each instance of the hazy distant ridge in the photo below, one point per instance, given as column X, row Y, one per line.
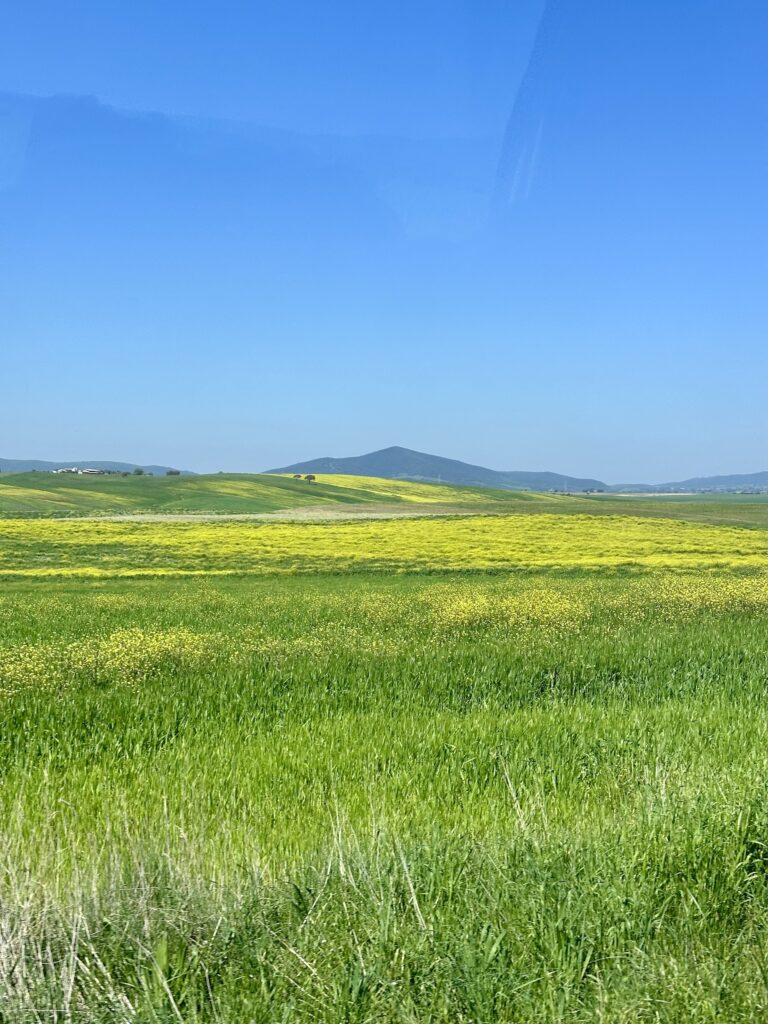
column 28, row 465
column 732, row 482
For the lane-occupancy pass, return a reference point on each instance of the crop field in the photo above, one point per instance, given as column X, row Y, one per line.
column 50, row 548
column 469, row 769
column 30, row 495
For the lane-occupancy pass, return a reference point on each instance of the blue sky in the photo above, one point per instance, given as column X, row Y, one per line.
column 529, row 235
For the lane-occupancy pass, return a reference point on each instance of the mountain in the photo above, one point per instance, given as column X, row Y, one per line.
column 31, row 465
column 404, row 464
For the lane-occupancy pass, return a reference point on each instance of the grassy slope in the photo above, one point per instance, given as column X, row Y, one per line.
column 47, row 494
column 36, row 494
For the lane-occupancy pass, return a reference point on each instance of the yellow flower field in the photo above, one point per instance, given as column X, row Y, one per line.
column 413, row 492
column 30, row 548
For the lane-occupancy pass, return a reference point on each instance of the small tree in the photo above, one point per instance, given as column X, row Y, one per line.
column 138, row 471
column 173, row 472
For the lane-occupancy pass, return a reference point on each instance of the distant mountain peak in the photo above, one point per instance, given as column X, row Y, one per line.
column 398, row 463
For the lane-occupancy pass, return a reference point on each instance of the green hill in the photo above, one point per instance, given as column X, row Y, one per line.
column 51, row 494
column 48, row 494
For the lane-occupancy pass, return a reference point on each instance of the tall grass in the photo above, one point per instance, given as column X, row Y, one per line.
column 492, row 799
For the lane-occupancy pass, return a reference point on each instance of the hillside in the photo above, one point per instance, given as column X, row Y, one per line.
column 50, row 494
column 405, row 464
column 46, row 494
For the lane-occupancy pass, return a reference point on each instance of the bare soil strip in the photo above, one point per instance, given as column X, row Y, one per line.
column 318, row 513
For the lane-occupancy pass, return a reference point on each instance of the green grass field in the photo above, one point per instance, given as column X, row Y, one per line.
column 30, row 494
column 391, row 788
column 33, row 495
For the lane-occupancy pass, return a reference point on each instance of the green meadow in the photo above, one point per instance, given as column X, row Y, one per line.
column 30, row 494
column 534, row 794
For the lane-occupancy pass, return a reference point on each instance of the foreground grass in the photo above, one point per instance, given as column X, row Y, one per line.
column 528, row 797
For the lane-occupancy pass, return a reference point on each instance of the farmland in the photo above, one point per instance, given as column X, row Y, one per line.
column 495, row 767
column 25, row 494
column 51, row 548
column 31, row 495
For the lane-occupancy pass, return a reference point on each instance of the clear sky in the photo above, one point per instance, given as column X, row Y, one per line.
column 527, row 234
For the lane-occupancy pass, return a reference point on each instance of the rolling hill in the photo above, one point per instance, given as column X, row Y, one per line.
column 332, row 496
column 398, row 463
column 48, row 494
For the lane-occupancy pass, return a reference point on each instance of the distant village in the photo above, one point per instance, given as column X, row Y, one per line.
column 90, row 471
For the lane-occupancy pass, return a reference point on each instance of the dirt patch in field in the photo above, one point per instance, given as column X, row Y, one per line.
column 312, row 513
